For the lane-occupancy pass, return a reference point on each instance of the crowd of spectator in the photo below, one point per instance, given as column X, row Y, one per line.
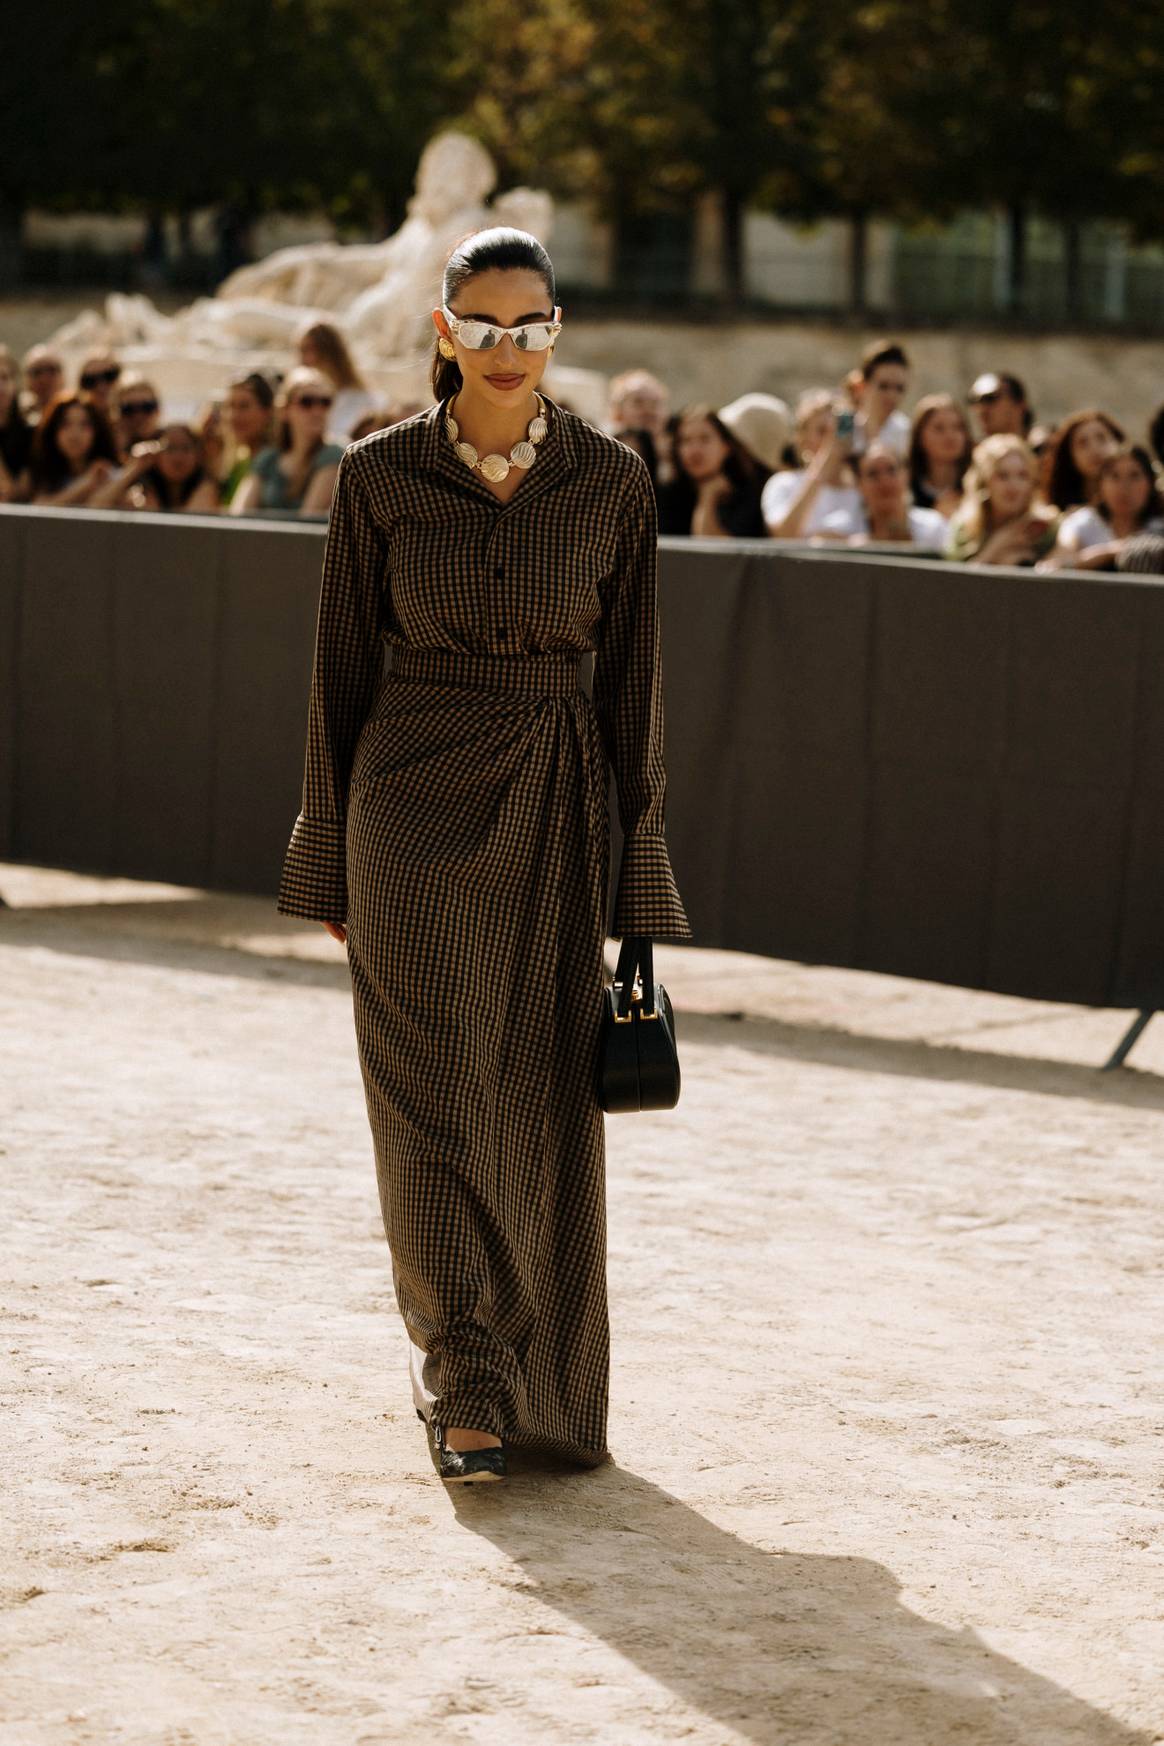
column 979, row 480
column 260, row 445
column 975, row 481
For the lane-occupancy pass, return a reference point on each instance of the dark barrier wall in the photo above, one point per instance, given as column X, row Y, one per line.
column 893, row 765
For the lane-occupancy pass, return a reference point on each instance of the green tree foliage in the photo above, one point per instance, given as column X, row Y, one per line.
column 884, row 108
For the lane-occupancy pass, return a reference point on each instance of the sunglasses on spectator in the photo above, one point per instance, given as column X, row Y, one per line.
column 482, row 336
column 43, row 370
column 91, row 377
column 130, row 407
column 310, row 400
column 987, row 399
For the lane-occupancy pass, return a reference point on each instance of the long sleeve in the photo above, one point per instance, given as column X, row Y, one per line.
column 628, row 699
column 348, row 664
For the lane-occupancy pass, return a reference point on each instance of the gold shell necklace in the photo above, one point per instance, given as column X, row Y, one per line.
column 496, row 467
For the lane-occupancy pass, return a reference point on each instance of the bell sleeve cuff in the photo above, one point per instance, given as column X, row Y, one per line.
column 647, row 900
column 314, row 879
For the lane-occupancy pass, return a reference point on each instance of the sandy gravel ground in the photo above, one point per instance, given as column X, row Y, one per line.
column 887, row 1412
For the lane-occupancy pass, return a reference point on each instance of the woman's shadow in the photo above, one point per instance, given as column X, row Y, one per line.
column 780, row 1647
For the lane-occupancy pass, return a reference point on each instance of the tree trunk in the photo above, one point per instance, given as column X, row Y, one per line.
column 1017, row 286
column 1072, row 269
column 11, row 243
column 858, row 261
column 733, row 248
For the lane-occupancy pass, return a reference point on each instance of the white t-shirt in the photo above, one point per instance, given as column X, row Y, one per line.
column 349, row 405
column 782, row 489
column 926, row 526
column 1082, row 528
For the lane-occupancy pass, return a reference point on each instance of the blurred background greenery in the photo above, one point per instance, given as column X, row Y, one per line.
column 1017, row 152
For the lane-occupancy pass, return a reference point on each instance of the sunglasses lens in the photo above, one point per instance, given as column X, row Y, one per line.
column 477, row 336
column 131, row 407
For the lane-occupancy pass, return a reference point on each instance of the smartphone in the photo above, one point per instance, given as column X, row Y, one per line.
column 845, row 423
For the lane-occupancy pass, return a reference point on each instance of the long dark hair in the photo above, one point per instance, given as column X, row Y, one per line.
column 50, row 470
column 499, row 247
column 1064, row 480
column 918, row 462
column 739, row 467
column 1133, row 452
column 678, row 498
column 169, row 495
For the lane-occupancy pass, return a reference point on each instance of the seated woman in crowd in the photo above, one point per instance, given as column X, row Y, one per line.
column 322, row 347
column 1129, row 503
column 97, row 378
column 135, row 410
column 298, row 471
column 798, row 502
column 885, row 512
column 1076, row 453
column 44, row 378
column 74, row 462
column 176, row 477
column 877, row 391
column 249, row 418
column 999, row 521
column 638, row 414
column 940, row 445
column 15, row 435
column 717, row 485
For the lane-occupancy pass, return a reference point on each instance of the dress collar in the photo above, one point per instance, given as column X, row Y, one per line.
column 555, row 457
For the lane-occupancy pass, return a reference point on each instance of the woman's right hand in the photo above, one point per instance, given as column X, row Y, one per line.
column 336, row 930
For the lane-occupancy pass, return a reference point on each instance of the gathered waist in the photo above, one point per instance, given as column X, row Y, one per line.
column 537, row 673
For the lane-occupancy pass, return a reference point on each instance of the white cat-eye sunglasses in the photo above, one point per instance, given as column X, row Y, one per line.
column 482, row 336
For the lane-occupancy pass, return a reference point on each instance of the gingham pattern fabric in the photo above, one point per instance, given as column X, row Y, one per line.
column 455, row 815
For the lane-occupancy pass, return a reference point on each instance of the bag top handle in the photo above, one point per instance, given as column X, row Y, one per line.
column 636, row 950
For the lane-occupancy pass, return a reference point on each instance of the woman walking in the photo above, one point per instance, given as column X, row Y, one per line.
column 454, row 835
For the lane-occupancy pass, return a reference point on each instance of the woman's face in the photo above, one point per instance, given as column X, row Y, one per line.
column 502, row 377
column 246, row 418
column 1011, row 487
column 700, row 450
column 885, row 390
column 137, row 411
column 98, row 378
column 75, row 435
column 309, row 407
column 642, row 407
column 179, row 454
column 1125, row 489
column 815, row 430
column 1091, row 444
column 943, row 436
column 882, row 481
column 44, row 375
column 308, row 355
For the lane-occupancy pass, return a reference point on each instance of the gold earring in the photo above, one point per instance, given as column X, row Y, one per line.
column 446, row 348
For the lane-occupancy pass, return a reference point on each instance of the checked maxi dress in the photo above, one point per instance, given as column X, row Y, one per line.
column 455, row 816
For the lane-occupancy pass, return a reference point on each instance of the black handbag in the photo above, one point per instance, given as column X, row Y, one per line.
column 638, row 1063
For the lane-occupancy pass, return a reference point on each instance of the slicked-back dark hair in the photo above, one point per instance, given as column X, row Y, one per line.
column 500, row 247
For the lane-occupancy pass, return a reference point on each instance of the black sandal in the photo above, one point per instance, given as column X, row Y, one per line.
column 463, row 1466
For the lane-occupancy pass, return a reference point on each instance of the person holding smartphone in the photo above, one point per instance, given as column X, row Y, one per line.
column 797, row 503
